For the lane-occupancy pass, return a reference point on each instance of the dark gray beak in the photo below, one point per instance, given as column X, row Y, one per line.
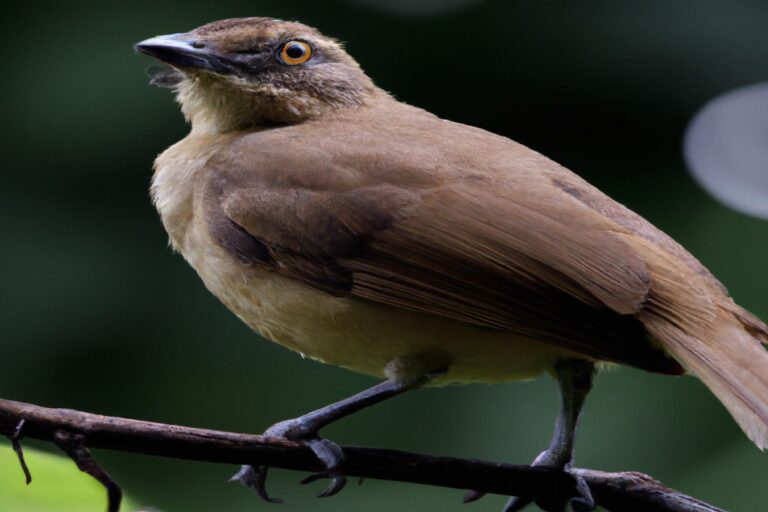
column 180, row 51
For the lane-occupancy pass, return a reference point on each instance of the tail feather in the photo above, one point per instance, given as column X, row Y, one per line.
column 693, row 319
column 731, row 362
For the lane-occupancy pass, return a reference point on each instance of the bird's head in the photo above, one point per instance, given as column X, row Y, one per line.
column 240, row 73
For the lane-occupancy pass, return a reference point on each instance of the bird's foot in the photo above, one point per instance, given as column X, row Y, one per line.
column 328, row 452
column 581, row 502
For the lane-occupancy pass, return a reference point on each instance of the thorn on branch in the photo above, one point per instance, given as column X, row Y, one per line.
column 15, row 439
column 472, row 496
column 74, row 446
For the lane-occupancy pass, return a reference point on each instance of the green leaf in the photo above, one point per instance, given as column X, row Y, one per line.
column 57, row 485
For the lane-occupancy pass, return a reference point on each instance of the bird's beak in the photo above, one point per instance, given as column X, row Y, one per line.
column 183, row 52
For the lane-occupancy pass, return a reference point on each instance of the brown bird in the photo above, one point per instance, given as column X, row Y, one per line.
column 373, row 235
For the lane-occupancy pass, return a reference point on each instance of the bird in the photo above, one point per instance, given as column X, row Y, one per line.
column 370, row 234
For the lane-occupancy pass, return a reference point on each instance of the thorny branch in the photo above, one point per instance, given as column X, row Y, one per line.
column 15, row 438
column 74, row 432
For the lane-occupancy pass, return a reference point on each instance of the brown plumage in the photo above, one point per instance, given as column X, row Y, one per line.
column 371, row 234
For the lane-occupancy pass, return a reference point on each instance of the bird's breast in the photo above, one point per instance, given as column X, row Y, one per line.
column 176, row 179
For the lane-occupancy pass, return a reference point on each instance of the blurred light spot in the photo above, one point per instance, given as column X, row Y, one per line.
column 726, row 147
column 417, row 7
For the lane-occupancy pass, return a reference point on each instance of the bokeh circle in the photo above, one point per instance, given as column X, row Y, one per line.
column 726, row 148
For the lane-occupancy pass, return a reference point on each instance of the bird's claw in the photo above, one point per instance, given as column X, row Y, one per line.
column 256, row 479
column 338, row 482
column 332, row 457
column 328, row 453
column 583, row 501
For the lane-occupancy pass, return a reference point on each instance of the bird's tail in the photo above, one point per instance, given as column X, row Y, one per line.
column 689, row 313
column 730, row 359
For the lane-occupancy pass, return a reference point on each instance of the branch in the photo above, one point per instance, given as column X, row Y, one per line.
column 75, row 432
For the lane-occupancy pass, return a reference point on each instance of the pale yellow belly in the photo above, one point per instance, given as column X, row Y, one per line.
column 364, row 336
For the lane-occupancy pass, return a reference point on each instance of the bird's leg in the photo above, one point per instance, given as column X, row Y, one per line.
column 306, row 428
column 575, row 380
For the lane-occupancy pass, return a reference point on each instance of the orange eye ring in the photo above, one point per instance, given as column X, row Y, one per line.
column 295, row 53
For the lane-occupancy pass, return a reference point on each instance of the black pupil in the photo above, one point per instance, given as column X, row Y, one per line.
column 295, row 51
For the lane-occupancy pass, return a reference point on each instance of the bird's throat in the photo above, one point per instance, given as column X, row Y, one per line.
column 213, row 105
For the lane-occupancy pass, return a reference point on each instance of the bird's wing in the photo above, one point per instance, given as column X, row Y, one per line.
column 475, row 231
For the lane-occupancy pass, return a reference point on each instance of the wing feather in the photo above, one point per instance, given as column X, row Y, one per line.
column 499, row 245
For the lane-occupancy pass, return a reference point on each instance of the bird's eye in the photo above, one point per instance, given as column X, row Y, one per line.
column 295, row 53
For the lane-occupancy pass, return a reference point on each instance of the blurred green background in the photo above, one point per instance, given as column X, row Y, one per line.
column 96, row 313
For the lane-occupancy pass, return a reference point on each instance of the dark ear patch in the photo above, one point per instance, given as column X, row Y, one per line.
column 164, row 76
